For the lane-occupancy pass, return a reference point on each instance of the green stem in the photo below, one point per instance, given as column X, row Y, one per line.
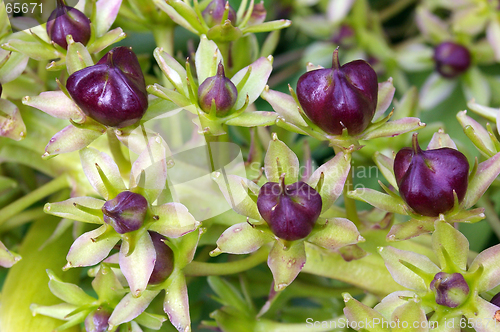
column 116, row 150
column 22, row 218
column 198, row 269
column 164, row 37
column 349, row 203
column 368, row 273
column 394, row 9
column 22, row 203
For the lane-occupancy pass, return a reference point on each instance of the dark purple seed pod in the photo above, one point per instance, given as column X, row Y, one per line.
column 66, row 20
column 164, row 264
column 427, row 179
column 451, row 290
column 112, row 92
column 126, row 212
column 451, row 59
column 97, row 321
column 496, row 300
column 290, row 210
column 218, row 89
column 340, row 97
column 214, row 13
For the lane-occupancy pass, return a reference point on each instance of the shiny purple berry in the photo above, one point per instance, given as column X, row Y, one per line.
column 126, row 212
column 290, row 210
column 97, row 321
column 214, row 13
column 340, row 97
column 112, row 92
column 164, row 263
column 427, row 179
column 451, row 59
column 220, row 90
column 451, row 290
column 66, row 20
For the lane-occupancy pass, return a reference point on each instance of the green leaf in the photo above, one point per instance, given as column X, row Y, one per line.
column 402, row 274
column 334, row 174
column 227, row 294
column 253, row 119
column 174, row 220
column 286, row 263
column 335, row 234
column 356, row 311
column 77, row 57
column 68, row 292
column 242, row 239
column 281, row 159
column 455, row 243
column 379, row 200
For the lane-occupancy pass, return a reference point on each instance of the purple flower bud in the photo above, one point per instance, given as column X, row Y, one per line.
column 427, row 179
column 164, row 264
column 496, row 300
column 340, row 97
column 65, row 20
column 451, row 59
column 126, row 212
column 97, row 321
column 214, row 13
column 290, row 210
column 218, row 89
column 451, row 290
column 258, row 15
column 112, row 92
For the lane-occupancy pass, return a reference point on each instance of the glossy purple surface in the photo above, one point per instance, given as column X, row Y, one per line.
column 220, row 89
column 113, row 91
column 65, row 20
column 427, row 179
column 451, row 59
column 340, row 96
column 125, row 212
column 450, row 289
column 290, row 211
column 214, row 13
column 164, row 264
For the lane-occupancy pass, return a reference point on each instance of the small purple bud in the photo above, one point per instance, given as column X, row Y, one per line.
column 112, row 92
column 427, row 179
column 164, row 264
column 451, row 290
column 126, row 212
column 258, row 15
column 340, row 97
column 65, row 20
column 218, row 89
column 496, row 300
column 214, row 13
column 451, row 59
column 290, row 210
column 97, row 321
